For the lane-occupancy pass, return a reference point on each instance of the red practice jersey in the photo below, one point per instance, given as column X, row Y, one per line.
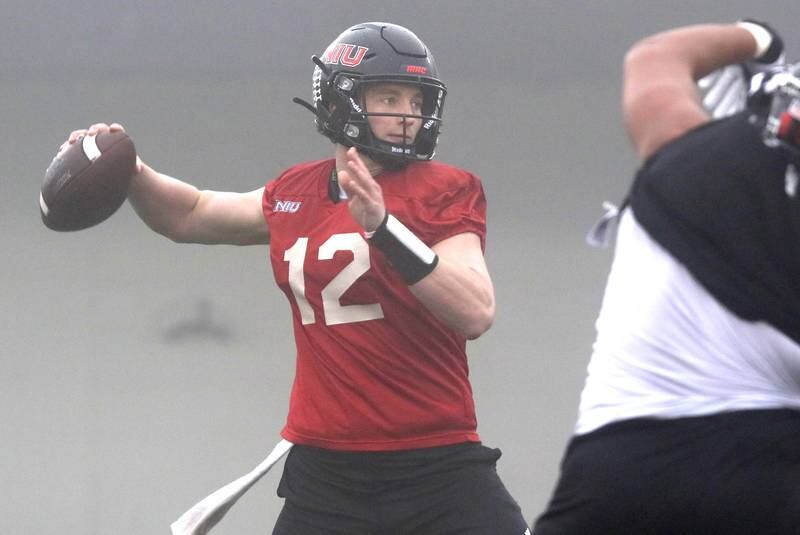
column 375, row 369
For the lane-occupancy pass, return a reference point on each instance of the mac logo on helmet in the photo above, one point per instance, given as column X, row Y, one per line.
column 416, row 69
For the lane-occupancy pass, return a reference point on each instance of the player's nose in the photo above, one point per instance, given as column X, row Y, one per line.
column 409, row 111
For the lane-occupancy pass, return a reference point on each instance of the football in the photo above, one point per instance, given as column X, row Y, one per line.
column 87, row 181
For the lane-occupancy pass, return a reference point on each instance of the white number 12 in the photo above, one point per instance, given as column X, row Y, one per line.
column 335, row 313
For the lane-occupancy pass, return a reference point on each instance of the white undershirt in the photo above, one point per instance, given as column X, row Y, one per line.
column 666, row 348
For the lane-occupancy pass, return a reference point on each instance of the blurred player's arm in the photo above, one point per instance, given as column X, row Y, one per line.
column 184, row 214
column 660, row 99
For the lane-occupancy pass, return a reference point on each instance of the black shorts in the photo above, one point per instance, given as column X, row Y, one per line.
column 731, row 473
column 445, row 490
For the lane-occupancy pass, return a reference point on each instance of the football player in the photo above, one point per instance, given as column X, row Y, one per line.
column 379, row 251
column 689, row 420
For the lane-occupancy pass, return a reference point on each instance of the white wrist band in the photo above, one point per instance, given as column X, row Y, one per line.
column 762, row 37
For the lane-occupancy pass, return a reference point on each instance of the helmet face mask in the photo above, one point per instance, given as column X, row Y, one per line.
column 376, row 53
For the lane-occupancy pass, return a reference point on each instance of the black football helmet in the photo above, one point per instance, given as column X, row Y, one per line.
column 779, row 89
column 368, row 53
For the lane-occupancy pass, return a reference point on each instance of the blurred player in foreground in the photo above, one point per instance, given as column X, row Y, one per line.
column 380, row 253
column 689, row 419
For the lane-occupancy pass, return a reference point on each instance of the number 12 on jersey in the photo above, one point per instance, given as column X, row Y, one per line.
column 335, row 313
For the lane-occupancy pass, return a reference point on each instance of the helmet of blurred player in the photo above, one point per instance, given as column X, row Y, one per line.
column 371, row 53
column 781, row 89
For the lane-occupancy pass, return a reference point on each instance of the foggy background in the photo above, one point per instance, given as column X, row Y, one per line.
column 137, row 375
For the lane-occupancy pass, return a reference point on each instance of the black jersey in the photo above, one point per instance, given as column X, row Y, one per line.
column 716, row 199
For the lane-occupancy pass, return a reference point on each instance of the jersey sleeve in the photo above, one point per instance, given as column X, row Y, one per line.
column 456, row 209
column 267, row 203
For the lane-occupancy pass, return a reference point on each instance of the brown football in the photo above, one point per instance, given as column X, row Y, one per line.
column 87, row 181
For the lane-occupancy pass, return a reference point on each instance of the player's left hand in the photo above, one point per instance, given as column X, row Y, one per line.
column 365, row 197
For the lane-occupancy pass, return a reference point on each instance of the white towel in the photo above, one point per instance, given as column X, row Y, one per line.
column 209, row 511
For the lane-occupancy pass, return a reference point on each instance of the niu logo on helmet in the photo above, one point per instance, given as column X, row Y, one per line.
column 347, row 55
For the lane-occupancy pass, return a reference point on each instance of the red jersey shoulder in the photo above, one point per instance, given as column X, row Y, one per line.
column 302, row 180
column 436, row 201
column 428, row 181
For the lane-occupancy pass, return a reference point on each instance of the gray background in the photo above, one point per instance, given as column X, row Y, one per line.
column 136, row 375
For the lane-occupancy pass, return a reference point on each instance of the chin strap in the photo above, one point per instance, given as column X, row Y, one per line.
column 307, row 105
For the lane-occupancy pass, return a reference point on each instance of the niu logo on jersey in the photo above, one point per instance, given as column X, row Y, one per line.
column 289, row 207
column 347, row 55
